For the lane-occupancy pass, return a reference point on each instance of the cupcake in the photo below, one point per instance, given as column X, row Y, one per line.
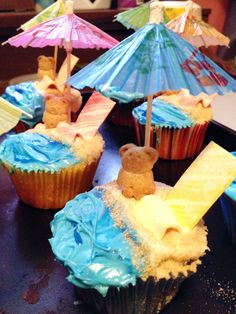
column 48, row 167
column 122, row 244
column 31, row 97
column 128, row 245
column 53, row 162
column 179, row 123
column 228, row 206
column 115, row 256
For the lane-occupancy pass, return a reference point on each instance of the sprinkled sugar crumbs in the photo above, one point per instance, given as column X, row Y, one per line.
column 222, row 292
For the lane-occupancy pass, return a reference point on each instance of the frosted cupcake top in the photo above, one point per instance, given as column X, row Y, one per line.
column 99, row 238
column 120, row 96
column 35, row 152
column 26, row 97
column 89, row 149
column 197, row 107
column 164, row 114
column 231, row 190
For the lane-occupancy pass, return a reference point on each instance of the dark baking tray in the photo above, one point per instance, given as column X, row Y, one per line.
column 31, row 281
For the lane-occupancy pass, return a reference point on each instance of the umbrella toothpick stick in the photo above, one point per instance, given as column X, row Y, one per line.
column 69, row 8
column 156, row 16
column 55, row 59
column 148, row 120
column 68, row 61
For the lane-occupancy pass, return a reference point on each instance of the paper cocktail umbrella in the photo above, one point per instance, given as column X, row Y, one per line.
column 137, row 17
column 68, row 31
column 153, row 59
column 54, row 10
column 189, row 27
column 196, row 31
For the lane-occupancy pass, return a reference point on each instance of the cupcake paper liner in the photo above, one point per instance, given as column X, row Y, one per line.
column 47, row 190
column 146, row 297
column 174, row 144
column 228, row 207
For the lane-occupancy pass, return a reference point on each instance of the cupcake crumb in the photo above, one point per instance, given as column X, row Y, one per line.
column 221, row 291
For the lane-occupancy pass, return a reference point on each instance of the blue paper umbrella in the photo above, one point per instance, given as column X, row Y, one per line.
column 153, row 59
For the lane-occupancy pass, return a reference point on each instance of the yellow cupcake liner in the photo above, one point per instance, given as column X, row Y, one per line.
column 47, row 190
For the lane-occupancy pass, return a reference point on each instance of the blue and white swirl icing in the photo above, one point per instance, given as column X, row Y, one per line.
column 26, row 97
column 163, row 114
column 36, row 152
column 231, row 190
column 121, row 96
column 87, row 241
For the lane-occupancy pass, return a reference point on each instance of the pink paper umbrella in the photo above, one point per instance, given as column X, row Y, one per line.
column 68, row 31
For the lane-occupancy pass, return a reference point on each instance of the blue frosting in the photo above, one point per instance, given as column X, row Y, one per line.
column 231, row 190
column 35, row 152
column 122, row 97
column 27, row 98
column 163, row 114
column 87, row 241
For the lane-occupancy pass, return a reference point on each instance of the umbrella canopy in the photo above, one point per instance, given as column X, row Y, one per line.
column 137, row 17
column 68, row 30
column 197, row 32
column 54, row 10
column 151, row 60
column 191, row 28
column 134, row 18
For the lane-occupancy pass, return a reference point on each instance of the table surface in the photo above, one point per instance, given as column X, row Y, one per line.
column 31, row 281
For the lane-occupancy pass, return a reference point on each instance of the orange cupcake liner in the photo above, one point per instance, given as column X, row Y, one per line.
column 47, row 190
column 174, row 144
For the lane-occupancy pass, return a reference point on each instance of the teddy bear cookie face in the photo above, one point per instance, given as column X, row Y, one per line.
column 135, row 178
column 46, row 67
column 57, row 109
column 137, row 159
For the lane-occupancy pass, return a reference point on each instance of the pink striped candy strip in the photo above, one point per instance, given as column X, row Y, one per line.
column 93, row 115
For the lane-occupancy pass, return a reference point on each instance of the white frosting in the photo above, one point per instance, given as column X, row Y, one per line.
column 164, row 254
column 158, row 216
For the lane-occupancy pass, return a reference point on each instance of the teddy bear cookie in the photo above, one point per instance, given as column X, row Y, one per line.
column 57, row 109
column 135, row 178
column 46, row 66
